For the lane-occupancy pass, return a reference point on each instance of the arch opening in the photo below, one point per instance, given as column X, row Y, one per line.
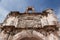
column 30, row 38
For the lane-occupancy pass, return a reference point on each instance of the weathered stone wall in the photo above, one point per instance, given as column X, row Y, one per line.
column 34, row 25
column 29, row 34
column 32, row 20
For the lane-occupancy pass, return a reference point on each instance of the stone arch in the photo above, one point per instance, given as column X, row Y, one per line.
column 30, row 9
column 27, row 34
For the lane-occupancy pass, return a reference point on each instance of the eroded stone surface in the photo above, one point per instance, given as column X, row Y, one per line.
column 30, row 26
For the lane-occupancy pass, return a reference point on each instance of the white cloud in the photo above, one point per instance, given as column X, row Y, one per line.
column 11, row 5
column 58, row 14
column 14, row 4
column 3, row 14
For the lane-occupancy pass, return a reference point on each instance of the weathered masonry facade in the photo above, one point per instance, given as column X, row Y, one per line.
column 30, row 25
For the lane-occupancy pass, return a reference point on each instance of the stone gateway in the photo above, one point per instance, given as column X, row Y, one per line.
column 30, row 25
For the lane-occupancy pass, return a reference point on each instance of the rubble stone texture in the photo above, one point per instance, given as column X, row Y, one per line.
column 30, row 26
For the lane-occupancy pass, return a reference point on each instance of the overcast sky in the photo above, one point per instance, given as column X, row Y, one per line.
column 20, row 5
